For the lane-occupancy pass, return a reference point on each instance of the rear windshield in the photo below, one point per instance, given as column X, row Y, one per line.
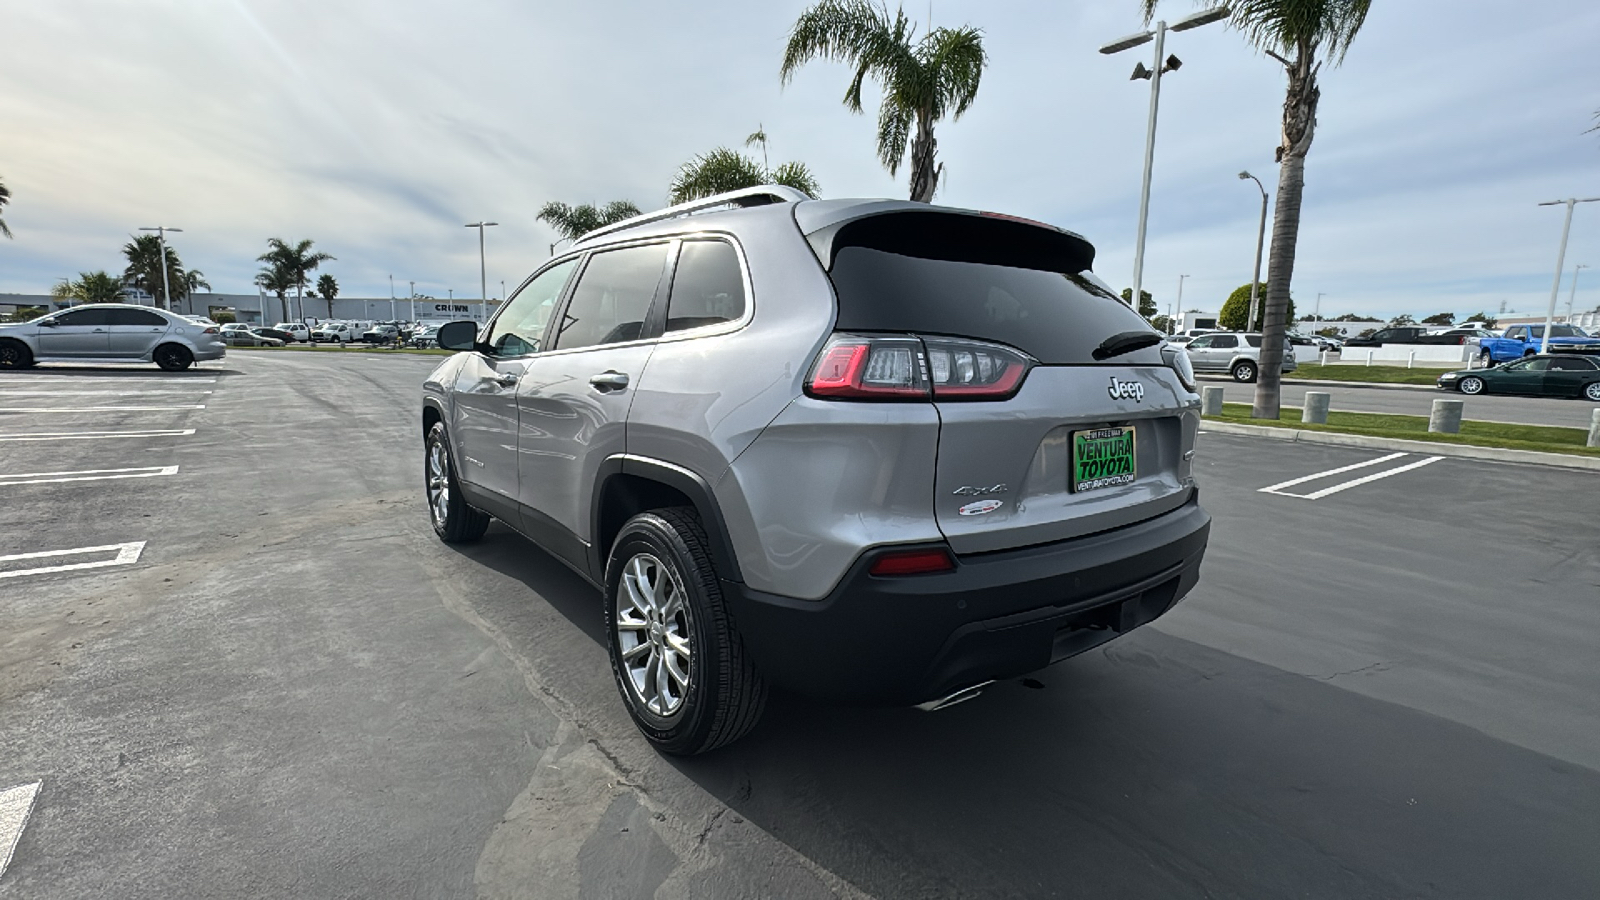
column 1054, row 317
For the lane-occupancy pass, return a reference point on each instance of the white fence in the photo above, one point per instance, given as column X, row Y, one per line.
column 1407, row 354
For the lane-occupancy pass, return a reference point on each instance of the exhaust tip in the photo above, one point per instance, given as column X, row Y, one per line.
column 949, row 700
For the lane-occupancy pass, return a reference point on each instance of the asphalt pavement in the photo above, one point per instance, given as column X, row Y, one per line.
column 1518, row 410
column 294, row 690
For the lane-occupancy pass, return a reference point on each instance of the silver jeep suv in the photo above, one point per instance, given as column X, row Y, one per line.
column 863, row 450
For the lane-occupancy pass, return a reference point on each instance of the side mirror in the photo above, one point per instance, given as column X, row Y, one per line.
column 458, row 335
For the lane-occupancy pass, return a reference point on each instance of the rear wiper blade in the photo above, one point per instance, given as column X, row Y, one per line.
column 1126, row 342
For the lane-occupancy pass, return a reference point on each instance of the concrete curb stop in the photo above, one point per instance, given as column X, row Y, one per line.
column 1465, row 451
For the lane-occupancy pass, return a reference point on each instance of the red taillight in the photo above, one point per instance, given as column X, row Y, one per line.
column 913, row 368
column 913, row 562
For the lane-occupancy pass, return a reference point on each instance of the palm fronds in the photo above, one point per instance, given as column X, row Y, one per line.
column 573, row 222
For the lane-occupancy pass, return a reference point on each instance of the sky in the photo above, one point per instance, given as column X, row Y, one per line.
column 378, row 129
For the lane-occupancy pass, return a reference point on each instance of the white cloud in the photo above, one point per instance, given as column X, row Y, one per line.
column 378, row 129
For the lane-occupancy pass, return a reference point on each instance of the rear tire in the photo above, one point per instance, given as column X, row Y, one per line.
column 1591, row 391
column 1244, row 371
column 15, row 355
column 1487, row 359
column 173, row 357
column 681, row 667
column 453, row 520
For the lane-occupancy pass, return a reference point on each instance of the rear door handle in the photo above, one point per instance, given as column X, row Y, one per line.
column 609, row 380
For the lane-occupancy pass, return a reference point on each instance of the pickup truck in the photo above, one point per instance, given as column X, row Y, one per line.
column 1527, row 340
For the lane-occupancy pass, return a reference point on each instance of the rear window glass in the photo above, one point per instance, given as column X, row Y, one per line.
column 707, row 288
column 1054, row 317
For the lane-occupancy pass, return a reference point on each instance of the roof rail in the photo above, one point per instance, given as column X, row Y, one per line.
column 753, row 196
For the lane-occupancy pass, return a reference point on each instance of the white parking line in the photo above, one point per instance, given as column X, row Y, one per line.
column 93, row 435
column 76, row 409
column 27, row 380
column 49, row 393
column 15, row 806
column 127, row 555
column 87, row 475
column 1346, row 485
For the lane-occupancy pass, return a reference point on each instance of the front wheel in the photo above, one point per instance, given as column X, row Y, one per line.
column 453, row 520
column 1471, row 385
column 1591, row 391
column 679, row 662
column 15, row 355
column 1244, row 371
column 173, row 357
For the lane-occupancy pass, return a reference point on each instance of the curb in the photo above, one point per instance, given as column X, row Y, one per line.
column 1465, row 451
column 1376, row 385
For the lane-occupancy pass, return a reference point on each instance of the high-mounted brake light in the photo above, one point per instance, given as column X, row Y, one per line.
column 912, row 562
column 911, row 368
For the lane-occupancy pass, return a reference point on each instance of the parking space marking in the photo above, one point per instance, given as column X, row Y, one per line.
column 15, row 806
column 94, row 435
column 1346, row 485
column 87, row 475
column 50, row 393
column 77, row 409
column 127, row 555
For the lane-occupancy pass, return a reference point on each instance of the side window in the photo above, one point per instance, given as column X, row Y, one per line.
column 1200, row 343
column 140, row 317
column 707, row 287
column 519, row 329
column 1538, row 365
column 612, row 297
column 99, row 317
column 1224, row 341
column 1518, row 333
column 1569, row 365
column 1253, row 340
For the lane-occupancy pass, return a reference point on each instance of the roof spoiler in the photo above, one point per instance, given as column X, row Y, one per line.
column 763, row 195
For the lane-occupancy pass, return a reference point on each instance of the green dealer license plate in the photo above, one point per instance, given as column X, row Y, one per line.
column 1103, row 458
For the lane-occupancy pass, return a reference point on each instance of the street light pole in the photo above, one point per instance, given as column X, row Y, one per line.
column 1561, row 263
column 1162, row 64
column 483, row 271
column 166, row 286
column 1180, row 292
column 1574, row 295
column 1316, row 314
column 413, row 301
column 1261, row 238
column 391, row 298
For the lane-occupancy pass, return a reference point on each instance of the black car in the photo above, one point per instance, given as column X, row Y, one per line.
column 1555, row 375
column 277, row 333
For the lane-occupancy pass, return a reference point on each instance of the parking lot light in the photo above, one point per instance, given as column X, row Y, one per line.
column 166, row 288
column 483, row 277
column 1561, row 263
column 1261, row 238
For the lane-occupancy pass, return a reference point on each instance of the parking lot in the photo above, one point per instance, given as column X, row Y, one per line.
column 237, row 663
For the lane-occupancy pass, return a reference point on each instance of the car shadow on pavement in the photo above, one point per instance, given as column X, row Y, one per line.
column 140, row 370
column 509, row 553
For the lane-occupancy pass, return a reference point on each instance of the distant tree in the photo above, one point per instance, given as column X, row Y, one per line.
column 1487, row 320
column 724, row 170
column 1402, row 319
column 280, row 283
column 1330, row 331
column 144, row 269
column 223, row 317
column 194, row 280
column 295, row 261
column 759, row 136
column 922, row 82
column 1237, row 308
column 5, row 197
column 573, row 222
column 1348, row 317
column 1161, row 323
column 90, row 287
column 328, row 286
column 1147, row 303
column 1443, row 318
column 1369, row 332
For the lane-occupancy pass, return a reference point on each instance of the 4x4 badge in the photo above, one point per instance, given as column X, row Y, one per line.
column 1126, row 390
column 968, row 491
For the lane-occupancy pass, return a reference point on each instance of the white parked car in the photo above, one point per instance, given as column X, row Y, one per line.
column 298, row 329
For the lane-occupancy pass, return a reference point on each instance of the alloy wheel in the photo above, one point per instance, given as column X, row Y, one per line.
column 654, row 631
column 439, row 483
column 1471, row 385
column 1592, row 391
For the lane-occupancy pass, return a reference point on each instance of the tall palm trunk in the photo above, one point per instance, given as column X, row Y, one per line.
column 924, row 177
column 1299, row 124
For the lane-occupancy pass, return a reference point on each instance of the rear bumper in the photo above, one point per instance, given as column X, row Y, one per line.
column 901, row 641
column 203, row 352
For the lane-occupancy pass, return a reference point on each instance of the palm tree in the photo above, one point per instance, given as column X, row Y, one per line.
column 90, row 287
column 277, row 280
column 573, row 222
column 144, row 257
column 922, row 82
column 724, row 170
column 194, row 281
column 297, row 261
column 328, row 287
column 5, row 197
column 1293, row 32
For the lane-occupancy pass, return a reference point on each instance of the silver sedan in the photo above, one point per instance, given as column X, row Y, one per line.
column 110, row 332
